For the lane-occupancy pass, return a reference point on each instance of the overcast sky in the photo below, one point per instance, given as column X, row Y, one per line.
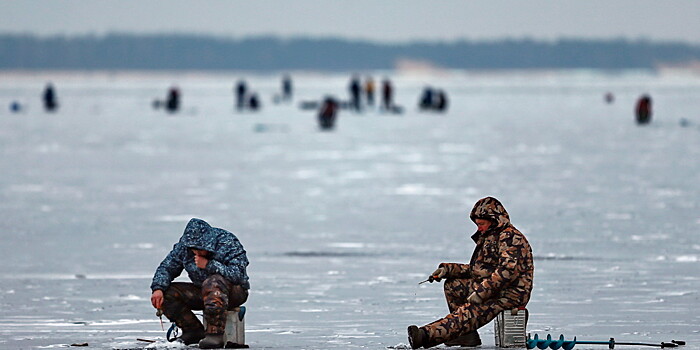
column 377, row 20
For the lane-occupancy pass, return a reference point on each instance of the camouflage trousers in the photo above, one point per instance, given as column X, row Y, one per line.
column 464, row 317
column 215, row 297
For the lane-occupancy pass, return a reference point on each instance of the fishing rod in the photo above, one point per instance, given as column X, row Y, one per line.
column 555, row 344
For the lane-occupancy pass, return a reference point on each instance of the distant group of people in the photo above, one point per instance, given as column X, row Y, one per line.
column 433, row 100
column 246, row 99
column 358, row 90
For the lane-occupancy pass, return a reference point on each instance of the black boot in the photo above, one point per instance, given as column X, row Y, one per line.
column 470, row 339
column 191, row 336
column 416, row 337
column 212, row 341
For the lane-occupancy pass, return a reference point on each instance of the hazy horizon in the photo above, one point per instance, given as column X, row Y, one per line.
column 388, row 21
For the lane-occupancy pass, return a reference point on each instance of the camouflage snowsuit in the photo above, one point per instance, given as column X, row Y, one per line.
column 500, row 272
column 222, row 285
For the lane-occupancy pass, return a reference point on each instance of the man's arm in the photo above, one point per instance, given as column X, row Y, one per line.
column 169, row 268
column 234, row 269
column 456, row 270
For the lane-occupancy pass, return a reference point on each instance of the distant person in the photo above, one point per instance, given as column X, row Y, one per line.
column 49, row 98
column 327, row 114
column 426, row 99
column 355, row 93
column 240, row 91
column 172, row 102
column 387, row 95
column 287, row 88
column 254, row 102
column 216, row 264
column 15, row 107
column 498, row 277
column 609, row 98
column 440, row 103
column 643, row 110
column 369, row 91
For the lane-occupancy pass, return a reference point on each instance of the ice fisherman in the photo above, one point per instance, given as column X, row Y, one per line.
column 643, row 110
column 172, row 101
column 387, row 95
column 49, row 98
column 497, row 278
column 369, row 91
column 355, row 90
column 287, row 88
column 216, row 264
column 240, row 90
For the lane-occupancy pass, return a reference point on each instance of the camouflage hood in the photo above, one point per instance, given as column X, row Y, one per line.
column 491, row 209
column 199, row 235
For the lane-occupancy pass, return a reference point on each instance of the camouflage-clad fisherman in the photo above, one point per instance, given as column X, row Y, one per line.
column 498, row 277
column 216, row 264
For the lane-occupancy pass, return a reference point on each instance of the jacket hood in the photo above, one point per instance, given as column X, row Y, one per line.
column 491, row 209
column 199, row 235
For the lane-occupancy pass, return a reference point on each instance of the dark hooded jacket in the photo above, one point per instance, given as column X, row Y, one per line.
column 502, row 264
column 227, row 258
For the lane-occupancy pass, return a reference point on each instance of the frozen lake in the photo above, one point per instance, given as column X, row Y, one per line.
column 340, row 227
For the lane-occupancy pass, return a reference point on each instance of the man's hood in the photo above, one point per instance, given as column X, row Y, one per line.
column 199, row 235
column 491, row 209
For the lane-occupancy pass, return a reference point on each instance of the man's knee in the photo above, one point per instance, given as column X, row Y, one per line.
column 215, row 281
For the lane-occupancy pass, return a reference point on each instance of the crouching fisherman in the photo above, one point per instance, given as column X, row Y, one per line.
column 216, row 264
column 498, row 277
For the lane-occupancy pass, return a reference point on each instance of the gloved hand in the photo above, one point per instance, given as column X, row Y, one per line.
column 474, row 299
column 438, row 275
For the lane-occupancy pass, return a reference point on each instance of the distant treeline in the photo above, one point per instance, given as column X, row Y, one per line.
column 188, row 52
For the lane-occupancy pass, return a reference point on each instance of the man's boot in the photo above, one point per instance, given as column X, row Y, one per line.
column 470, row 339
column 212, row 341
column 191, row 336
column 416, row 337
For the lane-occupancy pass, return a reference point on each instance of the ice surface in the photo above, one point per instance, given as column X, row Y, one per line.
column 340, row 227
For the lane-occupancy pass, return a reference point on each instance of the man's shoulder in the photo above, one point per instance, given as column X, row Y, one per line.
column 510, row 232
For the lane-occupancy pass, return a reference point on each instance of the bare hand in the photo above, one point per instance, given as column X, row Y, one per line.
column 201, row 261
column 157, row 298
column 438, row 275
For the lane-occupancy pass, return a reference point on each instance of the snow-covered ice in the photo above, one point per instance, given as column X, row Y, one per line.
column 340, row 227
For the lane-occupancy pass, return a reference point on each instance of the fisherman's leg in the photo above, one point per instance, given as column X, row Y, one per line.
column 456, row 292
column 465, row 319
column 219, row 295
column 178, row 302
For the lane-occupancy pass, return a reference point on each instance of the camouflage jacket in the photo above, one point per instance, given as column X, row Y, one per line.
column 502, row 264
column 228, row 258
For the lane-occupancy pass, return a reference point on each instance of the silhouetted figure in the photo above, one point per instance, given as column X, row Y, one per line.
column 240, row 91
column 50, row 100
column 15, row 107
column 609, row 98
column 643, row 110
column 287, row 88
column 355, row 93
column 172, row 102
column 440, row 102
column 369, row 91
column 387, row 95
column 327, row 114
column 254, row 102
column 426, row 99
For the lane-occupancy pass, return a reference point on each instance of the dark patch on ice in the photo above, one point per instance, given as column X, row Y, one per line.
column 325, row 254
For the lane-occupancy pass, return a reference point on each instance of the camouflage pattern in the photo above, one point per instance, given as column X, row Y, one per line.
column 500, row 272
column 228, row 258
column 215, row 296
